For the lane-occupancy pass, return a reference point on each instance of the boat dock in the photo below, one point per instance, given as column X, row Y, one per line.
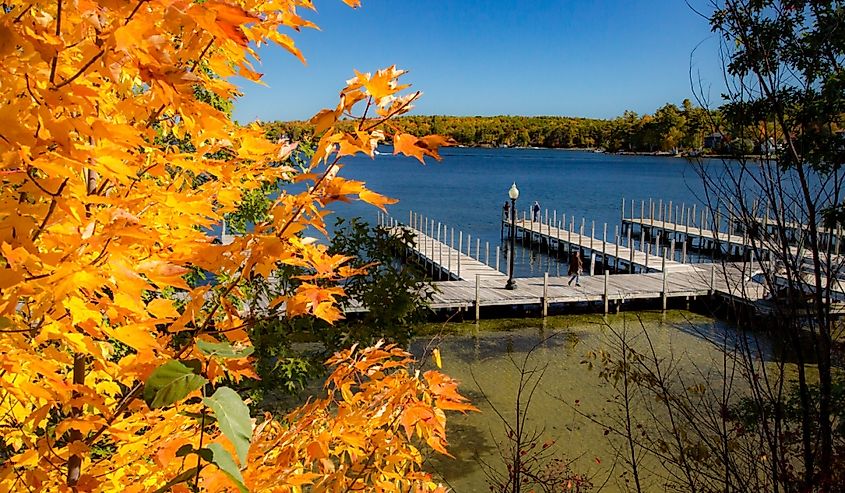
column 470, row 283
column 615, row 255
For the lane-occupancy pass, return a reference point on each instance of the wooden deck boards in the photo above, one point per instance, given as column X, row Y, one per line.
column 642, row 260
column 454, row 264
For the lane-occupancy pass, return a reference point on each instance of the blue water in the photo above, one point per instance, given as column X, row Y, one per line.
column 466, row 190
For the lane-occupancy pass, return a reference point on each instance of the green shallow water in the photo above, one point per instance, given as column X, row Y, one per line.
column 484, row 358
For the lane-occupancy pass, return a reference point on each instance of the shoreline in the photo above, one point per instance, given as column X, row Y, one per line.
column 756, row 157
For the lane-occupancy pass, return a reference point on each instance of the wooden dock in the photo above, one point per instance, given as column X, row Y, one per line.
column 615, row 255
column 464, row 281
column 443, row 261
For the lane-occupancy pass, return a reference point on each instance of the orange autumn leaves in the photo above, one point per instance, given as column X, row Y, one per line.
column 113, row 173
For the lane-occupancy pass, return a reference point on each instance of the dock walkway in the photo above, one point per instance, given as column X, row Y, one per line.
column 614, row 255
column 448, row 262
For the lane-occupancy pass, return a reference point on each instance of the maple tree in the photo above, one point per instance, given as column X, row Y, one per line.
column 113, row 171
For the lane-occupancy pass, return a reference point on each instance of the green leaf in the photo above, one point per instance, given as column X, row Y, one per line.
column 202, row 419
column 181, row 478
column 223, row 459
column 170, row 383
column 233, row 418
column 223, row 349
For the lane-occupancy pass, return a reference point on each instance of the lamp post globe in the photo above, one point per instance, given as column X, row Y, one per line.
column 513, row 194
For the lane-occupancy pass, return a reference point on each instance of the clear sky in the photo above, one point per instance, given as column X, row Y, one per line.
column 591, row 58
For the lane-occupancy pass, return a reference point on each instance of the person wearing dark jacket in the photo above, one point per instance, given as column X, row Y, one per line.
column 576, row 265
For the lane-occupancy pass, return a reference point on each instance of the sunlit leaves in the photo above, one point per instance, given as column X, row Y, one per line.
column 118, row 309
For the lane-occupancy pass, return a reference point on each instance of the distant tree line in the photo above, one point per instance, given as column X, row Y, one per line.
column 670, row 128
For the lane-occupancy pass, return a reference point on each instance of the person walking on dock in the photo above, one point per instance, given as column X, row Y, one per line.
column 576, row 265
column 506, row 209
column 536, row 209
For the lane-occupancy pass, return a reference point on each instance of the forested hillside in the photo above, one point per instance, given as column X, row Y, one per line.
column 669, row 128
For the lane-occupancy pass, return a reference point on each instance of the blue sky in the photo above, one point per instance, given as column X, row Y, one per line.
column 494, row 57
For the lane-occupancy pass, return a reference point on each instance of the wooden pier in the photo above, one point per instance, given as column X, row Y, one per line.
column 615, row 255
column 470, row 283
column 643, row 271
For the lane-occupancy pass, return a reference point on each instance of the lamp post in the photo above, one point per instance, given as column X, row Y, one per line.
column 513, row 193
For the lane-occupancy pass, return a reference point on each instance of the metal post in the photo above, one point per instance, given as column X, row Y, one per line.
column 604, row 296
column 511, row 284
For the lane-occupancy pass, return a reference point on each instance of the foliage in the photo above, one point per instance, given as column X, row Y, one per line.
column 784, row 60
column 393, row 292
column 117, row 155
column 669, row 128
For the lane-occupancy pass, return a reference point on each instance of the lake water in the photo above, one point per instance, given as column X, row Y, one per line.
column 466, row 190
column 571, row 404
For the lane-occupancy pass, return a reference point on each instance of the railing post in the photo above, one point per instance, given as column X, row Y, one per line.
column 478, row 249
column 618, row 240
column 497, row 258
column 460, row 248
column 622, row 212
column 545, row 294
column 451, row 249
column 604, row 247
column 592, row 263
column 712, row 279
column 672, row 249
column 684, row 252
column 487, row 253
column 651, row 207
column 439, row 253
column 477, row 298
column 592, row 234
